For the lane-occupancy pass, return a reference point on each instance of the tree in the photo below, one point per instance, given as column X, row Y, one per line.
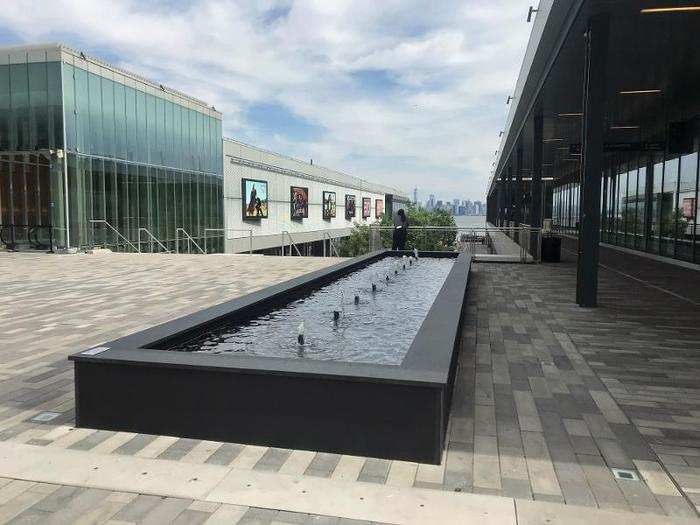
column 357, row 243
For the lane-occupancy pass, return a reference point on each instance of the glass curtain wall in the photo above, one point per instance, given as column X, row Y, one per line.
column 31, row 130
column 139, row 162
column 662, row 219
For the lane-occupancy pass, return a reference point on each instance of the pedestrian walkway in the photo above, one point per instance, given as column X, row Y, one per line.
column 549, row 398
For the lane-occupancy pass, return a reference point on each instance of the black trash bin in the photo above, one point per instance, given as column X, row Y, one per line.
column 551, row 249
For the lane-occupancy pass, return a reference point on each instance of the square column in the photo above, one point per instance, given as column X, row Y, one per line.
column 594, row 94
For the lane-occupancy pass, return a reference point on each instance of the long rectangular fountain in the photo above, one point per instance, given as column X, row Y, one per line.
column 358, row 358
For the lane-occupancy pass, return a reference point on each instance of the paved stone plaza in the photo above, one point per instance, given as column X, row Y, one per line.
column 549, row 398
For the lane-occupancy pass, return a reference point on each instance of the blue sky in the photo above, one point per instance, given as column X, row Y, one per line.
column 403, row 92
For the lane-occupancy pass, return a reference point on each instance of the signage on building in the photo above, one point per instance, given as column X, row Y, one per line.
column 610, row 147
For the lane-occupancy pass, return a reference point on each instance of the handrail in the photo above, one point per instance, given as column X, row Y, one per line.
column 189, row 238
column 152, row 237
column 93, row 221
column 291, row 243
column 224, row 230
column 331, row 244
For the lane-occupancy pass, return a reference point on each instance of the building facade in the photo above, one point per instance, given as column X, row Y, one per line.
column 293, row 206
column 603, row 133
column 93, row 155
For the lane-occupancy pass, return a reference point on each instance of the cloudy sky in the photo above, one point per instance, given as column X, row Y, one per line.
column 403, row 92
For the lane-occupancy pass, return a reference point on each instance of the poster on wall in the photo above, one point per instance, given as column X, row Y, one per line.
column 366, row 207
column 689, row 208
column 349, row 206
column 378, row 208
column 328, row 205
column 299, row 199
column 254, row 199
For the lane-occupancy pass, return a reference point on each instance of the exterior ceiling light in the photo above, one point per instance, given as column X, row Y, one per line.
column 624, row 127
column 564, row 115
column 641, row 92
column 552, row 140
column 680, row 9
column 564, row 148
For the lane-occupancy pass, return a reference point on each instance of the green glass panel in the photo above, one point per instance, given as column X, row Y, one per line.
column 122, row 201
column 19, row 100
column 69, row 106
column 164, row 230
column 168, row 134
column 132, row 134
column 4, row 109
column 111, row 200
column 133, row 203
column 38, row 106
column 151, row 126
column 82, row 121
column 144, row 217
column 120, row 149
column 95, row 103
column 141, row 125
column 158, row 156
column 55, row 104
column 108, row 119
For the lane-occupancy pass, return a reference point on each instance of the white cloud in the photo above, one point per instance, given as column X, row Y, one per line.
column 449, row 64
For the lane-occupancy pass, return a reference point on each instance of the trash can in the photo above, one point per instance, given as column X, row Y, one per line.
column 551, row 249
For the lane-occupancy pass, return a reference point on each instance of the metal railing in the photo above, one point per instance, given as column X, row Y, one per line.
column 28, row 234
column 519, row 242
column 291, row 243
column 331, row 245
column 119, row 235
column 153, row 238
column 189, row 239
column 223, row 234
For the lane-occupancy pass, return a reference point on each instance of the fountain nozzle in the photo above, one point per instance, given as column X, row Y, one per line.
column 357, row 299
column 300, row 336
column 374, row 287
column 336, row 315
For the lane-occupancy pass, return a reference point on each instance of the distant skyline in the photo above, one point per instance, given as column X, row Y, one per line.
column 405, row 93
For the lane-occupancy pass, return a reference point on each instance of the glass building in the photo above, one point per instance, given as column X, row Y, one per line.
column 603, row 133
column 94, row 156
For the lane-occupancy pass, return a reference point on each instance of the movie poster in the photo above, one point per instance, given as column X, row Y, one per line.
column 299, row 199
column 366, row 207
column 378, row 208
column 349, row 207
column 328, row 205
column 254, row 199
column 689, row 208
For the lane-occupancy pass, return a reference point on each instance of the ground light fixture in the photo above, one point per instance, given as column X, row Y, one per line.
column 679, row 9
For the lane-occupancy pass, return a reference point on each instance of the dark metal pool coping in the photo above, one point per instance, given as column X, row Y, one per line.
column 418, row 368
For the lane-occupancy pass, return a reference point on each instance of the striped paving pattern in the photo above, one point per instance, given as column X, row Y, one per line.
column 549, row 397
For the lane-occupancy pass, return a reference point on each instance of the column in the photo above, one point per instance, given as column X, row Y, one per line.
column 536, row 186
column 594, row 88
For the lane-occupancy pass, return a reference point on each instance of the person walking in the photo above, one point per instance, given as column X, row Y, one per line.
column 400, row 231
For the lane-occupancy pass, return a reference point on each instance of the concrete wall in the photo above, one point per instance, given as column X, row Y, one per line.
column 280, row 172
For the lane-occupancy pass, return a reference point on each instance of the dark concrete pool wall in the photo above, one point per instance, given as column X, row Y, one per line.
column 385, row 411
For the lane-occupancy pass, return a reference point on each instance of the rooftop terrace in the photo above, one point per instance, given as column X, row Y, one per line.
column 549, row 398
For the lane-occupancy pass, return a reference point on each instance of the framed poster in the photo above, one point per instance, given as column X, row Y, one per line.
column 299, row 202
column 689, row 208
column 328, row 205
column 349, row 206
column 254, row 194
column 378, row 208
column 366, row 207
